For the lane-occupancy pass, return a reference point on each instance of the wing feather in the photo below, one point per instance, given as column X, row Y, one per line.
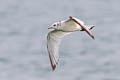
column 82, row 26
column 53, row 41
column 71, row 25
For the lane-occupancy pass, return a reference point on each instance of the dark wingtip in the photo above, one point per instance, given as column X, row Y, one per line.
column 53, row 67
column 93, row 37
column 84, row 29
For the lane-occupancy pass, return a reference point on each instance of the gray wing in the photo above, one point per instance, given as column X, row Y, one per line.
column 71, row 25
column 83, row 27
column 71, row 21
column 75, row 24
column 53, row 41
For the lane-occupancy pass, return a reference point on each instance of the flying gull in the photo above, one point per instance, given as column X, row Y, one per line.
column 61, row 29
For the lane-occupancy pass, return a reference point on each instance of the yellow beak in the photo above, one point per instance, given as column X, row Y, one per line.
column 50, row 27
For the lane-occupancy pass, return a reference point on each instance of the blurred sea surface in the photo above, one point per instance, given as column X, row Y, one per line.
column 23, row 31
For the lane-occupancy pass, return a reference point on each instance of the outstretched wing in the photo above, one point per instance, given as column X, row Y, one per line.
column 53, row 41
column 82, row 26
column 71, row 25
column 70, row 20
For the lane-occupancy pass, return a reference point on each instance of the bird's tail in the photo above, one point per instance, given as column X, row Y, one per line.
column 89, row 27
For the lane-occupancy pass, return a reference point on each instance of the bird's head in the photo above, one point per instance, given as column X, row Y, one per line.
column 55, row 25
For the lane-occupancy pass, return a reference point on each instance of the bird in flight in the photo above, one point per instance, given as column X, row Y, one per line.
column 61, row 29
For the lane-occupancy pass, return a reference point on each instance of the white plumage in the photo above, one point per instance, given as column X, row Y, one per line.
column 62, row 29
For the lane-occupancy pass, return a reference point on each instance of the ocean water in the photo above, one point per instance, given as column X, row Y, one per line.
column 23, row 31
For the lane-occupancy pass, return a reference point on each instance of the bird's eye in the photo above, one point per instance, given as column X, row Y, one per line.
column 54, row 25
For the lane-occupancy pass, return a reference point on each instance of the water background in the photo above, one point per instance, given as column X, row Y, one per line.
column 23, row 31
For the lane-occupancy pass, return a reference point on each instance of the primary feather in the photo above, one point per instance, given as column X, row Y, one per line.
column 53, row 41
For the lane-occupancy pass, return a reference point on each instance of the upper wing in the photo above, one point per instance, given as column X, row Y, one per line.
column 53, row 41
column 71, row 20
column 82, row 26
column 71, row 25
